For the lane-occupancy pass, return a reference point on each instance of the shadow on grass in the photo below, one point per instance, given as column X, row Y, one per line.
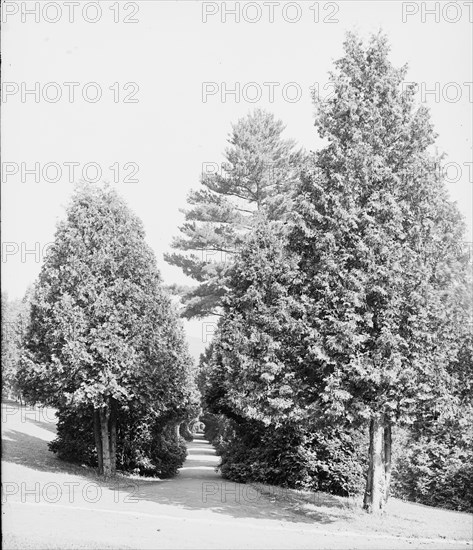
column 32, row 452
column 197, row 487
column 43, row 417
column 26, row 432
column 42, row 424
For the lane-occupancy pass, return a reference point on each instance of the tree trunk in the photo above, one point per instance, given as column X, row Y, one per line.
column 113, row 436
column 104, row 425
column 185, row 432
column 98, row 440
column 387, row 459
column 375, row 483
column 176, row 432
column 369, row 478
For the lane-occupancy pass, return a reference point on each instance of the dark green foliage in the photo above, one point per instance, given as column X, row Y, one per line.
column 435, row 474
column 437, row 469
column 75, row 437
column 104, row 336
column 353, row 314
column 144, row 447
column 158, row 452
column 15, row 320
column 185, row 433
column 217, row 429
column 435, row 462
column 212, row 426
column 377, row 240
column 258, row 390
column 323, row 461
column 168, row 456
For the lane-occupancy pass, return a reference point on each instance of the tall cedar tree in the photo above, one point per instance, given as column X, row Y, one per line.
column 380, row 250
column 259, row 174
column 256, row 380
column 103, row 333
column 255, row 372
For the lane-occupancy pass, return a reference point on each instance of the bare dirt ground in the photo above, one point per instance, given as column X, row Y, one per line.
column 51, row 504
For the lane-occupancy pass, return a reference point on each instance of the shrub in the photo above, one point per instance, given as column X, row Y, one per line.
column 212, row 426
column 287, row 457
column 75, row 437
column 149, row 447
column 435, row 463
column 168, row 456
column 433, row 473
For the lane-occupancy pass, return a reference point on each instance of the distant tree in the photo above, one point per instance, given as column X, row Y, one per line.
column 9, row 349
column 104, row 338
column 15, row 319
column 379, row 248
column 259, row 175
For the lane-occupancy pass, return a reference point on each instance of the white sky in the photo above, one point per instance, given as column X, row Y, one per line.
column 171, row 131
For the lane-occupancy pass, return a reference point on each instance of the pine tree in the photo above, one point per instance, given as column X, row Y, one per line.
column 378, row 242
column 103, row 335
column 259, row 175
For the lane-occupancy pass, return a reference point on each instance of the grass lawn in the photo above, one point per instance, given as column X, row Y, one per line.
column 404, row 519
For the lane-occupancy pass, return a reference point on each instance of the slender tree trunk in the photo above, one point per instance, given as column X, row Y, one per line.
column 104, row 425
column 176, row 431
column 369, row 478
column 172, row 430
column 184, row 430
column 387, row 459
column 113, row 436
column 98, row 440
column 375, row 483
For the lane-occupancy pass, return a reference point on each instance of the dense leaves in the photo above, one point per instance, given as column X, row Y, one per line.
column 435, row 459
column 145, row 446
column 103, row 332
column 259, row 390
column 355, row 313
column 378, row 243
column 317, row 460
column 431, row 470
column 15, row 320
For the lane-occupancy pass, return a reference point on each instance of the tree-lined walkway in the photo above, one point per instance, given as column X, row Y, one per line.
column 49, row 506
column 200, row 489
